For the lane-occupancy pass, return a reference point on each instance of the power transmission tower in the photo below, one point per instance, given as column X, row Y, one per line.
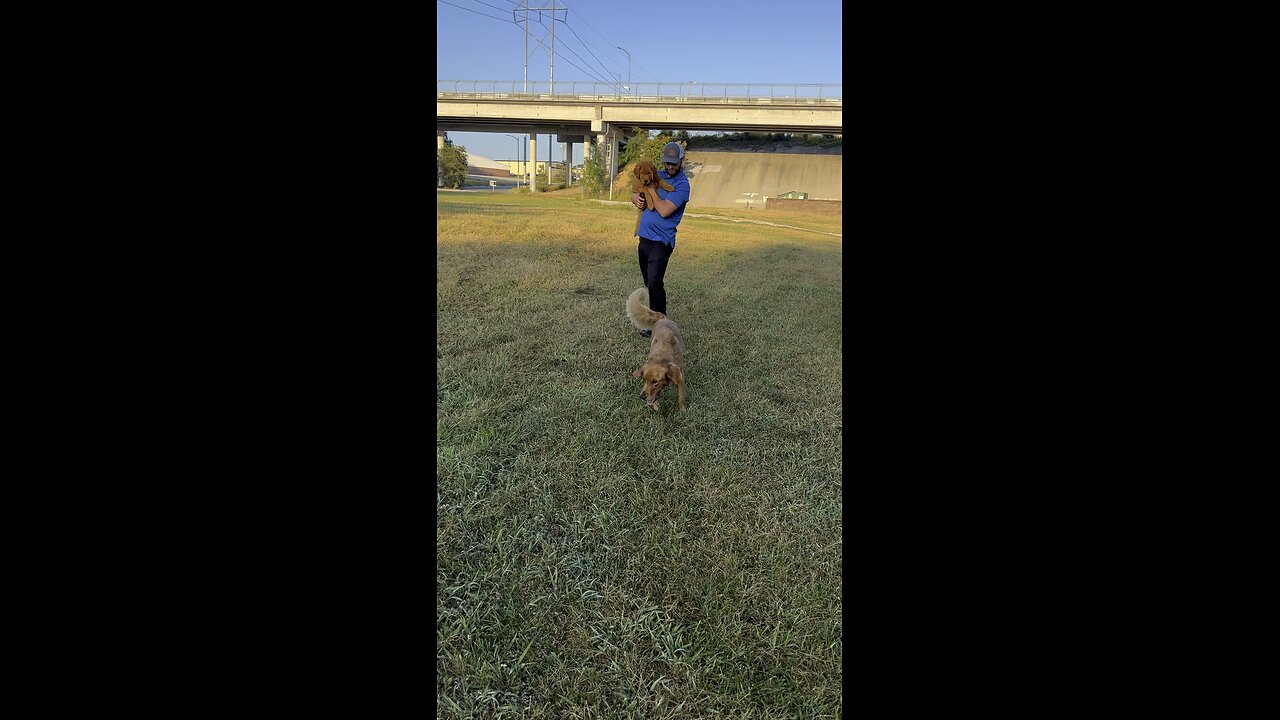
column 539, row 10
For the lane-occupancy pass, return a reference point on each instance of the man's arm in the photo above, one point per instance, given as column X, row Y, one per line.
column 674, row 200
column 664, row 207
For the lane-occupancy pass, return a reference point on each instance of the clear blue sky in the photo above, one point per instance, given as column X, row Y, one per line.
column 707, row 41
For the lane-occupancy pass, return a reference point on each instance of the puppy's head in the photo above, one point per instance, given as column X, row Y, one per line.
column 645, row 172
column 656, row 377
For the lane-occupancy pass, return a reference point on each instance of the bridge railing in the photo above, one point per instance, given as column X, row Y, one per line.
column 659, row 92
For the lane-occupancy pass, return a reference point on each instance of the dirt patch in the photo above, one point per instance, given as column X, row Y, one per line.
column 569, row 191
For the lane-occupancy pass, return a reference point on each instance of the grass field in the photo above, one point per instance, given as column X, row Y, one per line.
column 596, row 559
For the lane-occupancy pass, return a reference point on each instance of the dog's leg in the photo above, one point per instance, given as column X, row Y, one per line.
column 665, row 185
column 652, row 196
column 638, row 187
column 678, row 378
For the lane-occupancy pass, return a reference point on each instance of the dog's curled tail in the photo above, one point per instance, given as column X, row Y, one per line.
column 638, row 311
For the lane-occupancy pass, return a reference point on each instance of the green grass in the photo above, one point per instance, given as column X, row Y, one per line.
column 596, row 559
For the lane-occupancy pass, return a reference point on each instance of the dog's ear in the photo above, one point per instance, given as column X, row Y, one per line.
column 674, row 373
column 637, row 373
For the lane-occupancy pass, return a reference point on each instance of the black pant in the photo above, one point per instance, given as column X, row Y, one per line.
column 653, row 265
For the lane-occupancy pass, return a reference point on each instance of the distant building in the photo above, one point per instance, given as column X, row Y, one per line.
column 518, row 167
column 480, row 165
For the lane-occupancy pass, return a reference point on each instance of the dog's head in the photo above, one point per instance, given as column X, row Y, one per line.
column 656, row 376
column 645, row 172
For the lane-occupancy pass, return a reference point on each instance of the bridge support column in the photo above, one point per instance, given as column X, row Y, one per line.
column 568, row 163
column 440, row 135
column 613, row 160
column 533, row 163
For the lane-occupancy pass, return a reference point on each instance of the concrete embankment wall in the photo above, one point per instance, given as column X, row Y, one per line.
column 725, row 179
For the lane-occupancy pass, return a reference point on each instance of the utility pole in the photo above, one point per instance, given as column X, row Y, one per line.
column 516, row 19
column 553, row 54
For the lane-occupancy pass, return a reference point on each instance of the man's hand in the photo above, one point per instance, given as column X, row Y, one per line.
column 652, row 195
column 637, row 200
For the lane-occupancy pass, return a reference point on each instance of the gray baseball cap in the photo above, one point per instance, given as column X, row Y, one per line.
column 672, row 152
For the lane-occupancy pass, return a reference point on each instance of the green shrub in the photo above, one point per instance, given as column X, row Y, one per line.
column 721, row 139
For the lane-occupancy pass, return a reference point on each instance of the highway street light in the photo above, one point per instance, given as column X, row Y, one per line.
column 628, row 52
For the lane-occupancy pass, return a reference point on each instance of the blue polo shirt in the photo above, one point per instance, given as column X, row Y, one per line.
column 663, row 229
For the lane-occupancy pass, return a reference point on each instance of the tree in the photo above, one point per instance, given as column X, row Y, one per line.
column 594, row 171
column 451, row 165
column 643, row 147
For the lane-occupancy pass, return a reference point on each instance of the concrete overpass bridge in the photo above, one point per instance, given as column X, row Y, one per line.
column 578, row 112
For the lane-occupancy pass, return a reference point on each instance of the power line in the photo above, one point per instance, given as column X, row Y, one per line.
column 585, row 45
column 602, row 37
column 478, row 13
column 584, row 72
column 611, row 43
column 590, row 75
column 646, row 72
column 544, row 47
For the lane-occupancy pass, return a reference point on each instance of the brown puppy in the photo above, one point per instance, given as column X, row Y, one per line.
column 645, row 179
column 665, row 364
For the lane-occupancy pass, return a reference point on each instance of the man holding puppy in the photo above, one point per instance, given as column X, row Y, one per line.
column 658, row 229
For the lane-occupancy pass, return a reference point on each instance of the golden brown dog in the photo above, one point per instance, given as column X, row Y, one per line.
column 665, row 364
column 645, row 179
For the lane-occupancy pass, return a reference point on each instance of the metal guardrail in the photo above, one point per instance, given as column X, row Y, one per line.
column 738, row 93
